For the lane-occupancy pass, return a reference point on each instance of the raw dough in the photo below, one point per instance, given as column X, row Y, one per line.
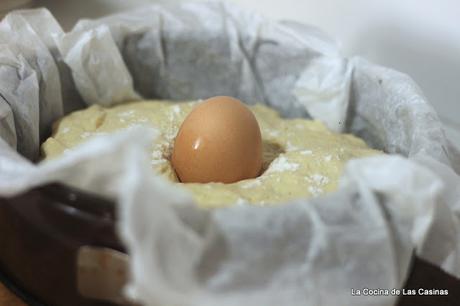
column 302, row 158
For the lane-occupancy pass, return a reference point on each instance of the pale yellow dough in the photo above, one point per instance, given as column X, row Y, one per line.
column 302, row 158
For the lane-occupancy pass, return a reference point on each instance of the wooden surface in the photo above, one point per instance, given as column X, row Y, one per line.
column 9, row 299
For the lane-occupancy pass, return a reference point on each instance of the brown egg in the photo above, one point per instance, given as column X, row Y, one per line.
column 219, row 141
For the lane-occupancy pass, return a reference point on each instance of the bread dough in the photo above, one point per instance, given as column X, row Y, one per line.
column 302, row 158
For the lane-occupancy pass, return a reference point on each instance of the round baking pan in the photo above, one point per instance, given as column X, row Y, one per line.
column 43, row 231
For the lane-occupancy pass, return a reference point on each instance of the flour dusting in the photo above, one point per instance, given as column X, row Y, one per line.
column 282, row 164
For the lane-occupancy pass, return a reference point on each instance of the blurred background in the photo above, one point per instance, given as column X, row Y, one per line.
column 418, row 37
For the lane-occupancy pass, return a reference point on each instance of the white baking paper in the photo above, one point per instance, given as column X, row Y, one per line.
column 307, row 252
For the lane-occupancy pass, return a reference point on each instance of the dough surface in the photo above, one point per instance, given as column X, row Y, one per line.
column 302, row 158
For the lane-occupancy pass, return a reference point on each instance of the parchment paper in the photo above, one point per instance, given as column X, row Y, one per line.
column 307, row 252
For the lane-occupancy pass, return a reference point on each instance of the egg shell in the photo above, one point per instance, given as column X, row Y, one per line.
column 219, row 141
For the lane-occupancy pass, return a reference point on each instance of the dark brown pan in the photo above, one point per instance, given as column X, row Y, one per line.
column 42, row 230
